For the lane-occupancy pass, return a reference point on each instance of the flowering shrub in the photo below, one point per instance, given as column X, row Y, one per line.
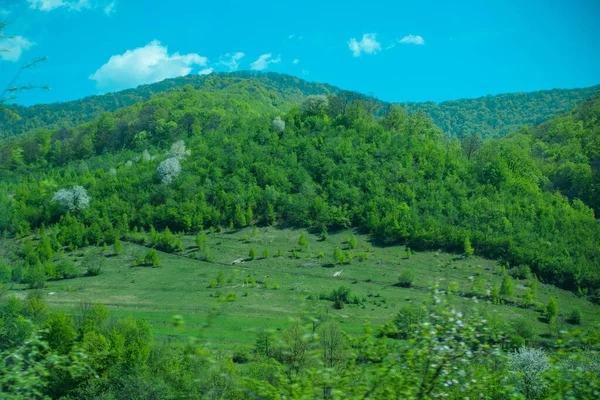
column 168, row 170
column 527, row 367
column 278, row 124
column 73, row 199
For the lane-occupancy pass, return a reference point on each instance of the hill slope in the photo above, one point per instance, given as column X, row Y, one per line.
column 284, row 89
column 496, row 116
column 323, row 165
column 567, row 151
column 490, row 116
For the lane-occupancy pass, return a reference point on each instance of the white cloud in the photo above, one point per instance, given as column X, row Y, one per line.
column 206, row 71
column 75, row 5
column 11, row 48
column 148, row 64
column 412, row 39
column 45, row 5
column 263, row 62
column 305, row 72
column 368, row 45
column 49, row 5
column 231, row 60
column 109, row 9
column 296, row 61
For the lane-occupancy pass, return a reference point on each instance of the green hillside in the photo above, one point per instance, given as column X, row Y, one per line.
column 567, row 151
column 490, row 116
column 497, row 116
column 283, row 89
column 234, row 244
column 326, row 164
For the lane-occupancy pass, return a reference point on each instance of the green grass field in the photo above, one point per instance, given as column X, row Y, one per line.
column 180, row 286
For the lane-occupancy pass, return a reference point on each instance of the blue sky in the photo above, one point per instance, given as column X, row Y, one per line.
column 395, row 50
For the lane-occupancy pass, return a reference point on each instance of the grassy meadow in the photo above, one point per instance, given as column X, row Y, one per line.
column 266, row 291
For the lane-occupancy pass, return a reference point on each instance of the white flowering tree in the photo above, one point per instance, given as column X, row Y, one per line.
column 278, row 124
column 314, row 104
column 168, row 170
column 528, row 366
column 72, row 199
column 178, row 151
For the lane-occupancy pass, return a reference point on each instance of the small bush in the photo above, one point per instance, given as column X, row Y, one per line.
column 407, row 319
column 66, row 269
column 93, row 270
column 523, row 329
column 118, row 246
column 207, row 254
column 552, row 308
column 240, row 357
column 574, row 317
column 231, row 297
column 406, row 279
column 302, row 242
column 252, row 253
column 521, row 272
column 151, row 258
column 352, row 241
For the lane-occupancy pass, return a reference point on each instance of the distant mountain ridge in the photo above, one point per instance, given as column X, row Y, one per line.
column 489, row 116
column 73, row 113
column 497, row 116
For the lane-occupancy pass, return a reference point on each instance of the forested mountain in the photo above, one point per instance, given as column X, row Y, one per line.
column 490, row 116
column 496, row 116
column 329, row 163
column 567, row 152
column 283, row 89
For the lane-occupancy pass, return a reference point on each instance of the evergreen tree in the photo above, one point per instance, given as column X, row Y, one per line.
column 118, row 246
column 507, row 288
column 468, row 250
column 552, row 308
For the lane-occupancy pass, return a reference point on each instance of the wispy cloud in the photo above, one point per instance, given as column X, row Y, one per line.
column 109, row 9
column 231, row 60
column 368, row 44
column 75, row 5
column 12, row 48
column 412, row 39
column 296, row 61
column 148, row 64
column 206, row 71
column 263, row 62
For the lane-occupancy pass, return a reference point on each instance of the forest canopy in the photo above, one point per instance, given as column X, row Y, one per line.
column 334, row 162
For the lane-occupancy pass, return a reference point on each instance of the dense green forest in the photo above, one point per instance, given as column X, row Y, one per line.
column 497, row 116
column 567, row 151
column 490, row 116
column 192, row 159
column 283, row 89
